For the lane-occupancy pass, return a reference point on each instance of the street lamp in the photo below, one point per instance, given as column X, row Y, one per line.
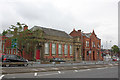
column 82, row 45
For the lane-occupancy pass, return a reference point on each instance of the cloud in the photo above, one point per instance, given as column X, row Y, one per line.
column 100, row 15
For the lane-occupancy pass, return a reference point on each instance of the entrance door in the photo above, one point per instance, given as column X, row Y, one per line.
column 37, row 54
column 76, row 54
column 93, row 55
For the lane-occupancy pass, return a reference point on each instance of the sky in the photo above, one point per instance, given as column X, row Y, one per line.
column 86, row 15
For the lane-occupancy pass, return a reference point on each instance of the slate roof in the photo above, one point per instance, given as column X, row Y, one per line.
column 52, row 32
column 87, row 34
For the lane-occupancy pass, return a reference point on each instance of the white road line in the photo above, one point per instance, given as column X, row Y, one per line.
column 48, row 74
column 13, row 77
column 76, row 70
column 74, row 67
column 35, row 74
column 55, row 68
column 43, row 69
column 59, row 72
column 111, row 64
column 1, row 77
column 88, row 69
column 100, row 68
column 34, row 69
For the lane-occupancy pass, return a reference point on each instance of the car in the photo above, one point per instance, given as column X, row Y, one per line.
column 7, row 59
column 114, row 59
column 57, row 60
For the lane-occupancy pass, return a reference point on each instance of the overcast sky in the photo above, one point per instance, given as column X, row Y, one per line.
column 100, row 15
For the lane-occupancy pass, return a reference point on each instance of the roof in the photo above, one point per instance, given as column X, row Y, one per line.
column 52, row 32
column 86, row 34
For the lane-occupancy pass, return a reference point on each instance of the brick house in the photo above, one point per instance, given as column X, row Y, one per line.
column 91, row 45
column 46, row 44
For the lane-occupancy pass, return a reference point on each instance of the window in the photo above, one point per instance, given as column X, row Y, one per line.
column 14, row 51
column 93, row 44
column 70, row 49
column 46, row 48
column 3, row 47
column 66, row 49
column 87, row 43
column 98, row 53
column 60, row 49
column 98, row 45
column 53, row 48
column 11, row 51
column 87, row 53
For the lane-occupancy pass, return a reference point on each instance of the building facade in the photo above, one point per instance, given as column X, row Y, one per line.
column 45, row 44
column 91, row 45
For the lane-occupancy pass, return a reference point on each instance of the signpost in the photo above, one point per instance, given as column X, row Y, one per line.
column 14, row 43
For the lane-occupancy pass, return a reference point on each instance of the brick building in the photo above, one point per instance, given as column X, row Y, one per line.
column 91, row 45
column 46, row 43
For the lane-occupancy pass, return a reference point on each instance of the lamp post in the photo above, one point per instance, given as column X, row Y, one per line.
column 110, row 50
column 82, row 45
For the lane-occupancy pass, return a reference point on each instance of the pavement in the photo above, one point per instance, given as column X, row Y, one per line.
column 57, row 67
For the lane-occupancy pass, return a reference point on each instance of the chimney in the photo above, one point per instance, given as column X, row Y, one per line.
column 79, row 32
column 25, row 27
column 73, row 29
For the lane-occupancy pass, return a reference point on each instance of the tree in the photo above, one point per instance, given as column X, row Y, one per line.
column 115, row 49
column 24, row 40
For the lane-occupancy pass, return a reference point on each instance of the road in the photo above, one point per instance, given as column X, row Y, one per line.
column 105, row 72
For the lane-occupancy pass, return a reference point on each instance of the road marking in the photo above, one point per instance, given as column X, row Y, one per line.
column 48, row 74
column 13, row 77
column 35, row 74
column 35, row 69
column 55, row 68
column 59, row 72
column 1, row 77
column 43, row 69
column 74, row 67
column 111, row 64
column 76, row 70
column 100, row 68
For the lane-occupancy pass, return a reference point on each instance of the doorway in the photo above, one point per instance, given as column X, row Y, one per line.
column 93, row 55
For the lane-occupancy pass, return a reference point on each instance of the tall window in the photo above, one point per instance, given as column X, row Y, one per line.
column 70, row 49
column 98, row 45
column 53, row 49
column 87, row 43
column 46, row 48
column 3, row 47
column 93, row 44
column 11, row 51
column 60, row 49
column 14, row 51
column 66, row 49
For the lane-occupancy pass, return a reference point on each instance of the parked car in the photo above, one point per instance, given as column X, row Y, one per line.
column 7, row 59
column 57, row 60
column 115, row 59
